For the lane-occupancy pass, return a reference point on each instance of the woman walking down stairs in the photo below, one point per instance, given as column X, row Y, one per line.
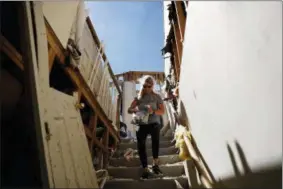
column 126, row 173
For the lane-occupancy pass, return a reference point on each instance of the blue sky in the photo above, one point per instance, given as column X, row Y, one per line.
column 132, row 32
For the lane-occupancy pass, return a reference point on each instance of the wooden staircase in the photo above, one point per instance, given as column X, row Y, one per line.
column 126, row 174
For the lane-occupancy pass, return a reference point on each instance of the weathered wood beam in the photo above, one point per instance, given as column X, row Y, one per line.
column 88, row 132
column 55, row 44
column 16, row 57
column 177, row 40
column 176, row 61
column 92, row 101
column 11, row 52
column 181, row 18
column 94, row 140
column 51, row 57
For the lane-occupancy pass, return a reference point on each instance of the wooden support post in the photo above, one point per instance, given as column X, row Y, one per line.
column 106, row 154
column 93, row 123
column 51, row 57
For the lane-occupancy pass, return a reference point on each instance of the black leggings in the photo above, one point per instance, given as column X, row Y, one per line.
column 142, row 133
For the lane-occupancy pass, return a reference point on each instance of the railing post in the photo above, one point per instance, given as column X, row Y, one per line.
column 106, row 154
column 119, row 101
column 94, row 124
column 93, row 70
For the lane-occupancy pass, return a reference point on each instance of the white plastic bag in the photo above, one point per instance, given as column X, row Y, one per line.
column 140, row 118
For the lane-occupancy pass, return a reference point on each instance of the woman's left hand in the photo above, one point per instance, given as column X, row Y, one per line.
column 149, row 109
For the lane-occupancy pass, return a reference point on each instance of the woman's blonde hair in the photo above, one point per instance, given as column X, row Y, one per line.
column 142, row 81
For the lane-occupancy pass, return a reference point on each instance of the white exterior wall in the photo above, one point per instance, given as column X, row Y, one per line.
column 231, row 81
column 61, row 16
column 129, row 93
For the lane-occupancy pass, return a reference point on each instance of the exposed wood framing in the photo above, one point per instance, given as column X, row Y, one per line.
column 104, row 57
column 78, row 80
column 93, row 122
column 48, row 50
column 16, row 57
column 59, row 51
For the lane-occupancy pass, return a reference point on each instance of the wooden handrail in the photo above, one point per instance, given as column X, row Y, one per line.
column 197, row 162
column 104, row 57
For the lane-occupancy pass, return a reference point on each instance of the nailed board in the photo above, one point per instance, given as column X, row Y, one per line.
column 89, row 52
column 71, row 163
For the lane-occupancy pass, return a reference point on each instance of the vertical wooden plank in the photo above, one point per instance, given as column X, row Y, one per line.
column 64, row 140
column 62, row 163
column 42, row 44
column 79, row 147
column 56, row 154
column 33, row 86
column 77, row 151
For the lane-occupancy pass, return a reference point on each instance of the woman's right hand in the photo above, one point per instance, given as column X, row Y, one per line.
column 134, row 110
column 133, row 107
